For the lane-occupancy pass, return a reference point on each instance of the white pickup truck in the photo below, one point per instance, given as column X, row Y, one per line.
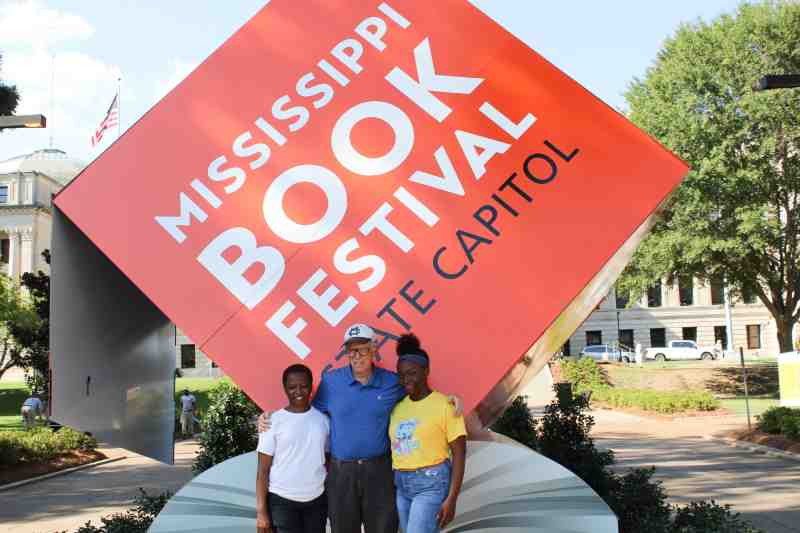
column 681, row 350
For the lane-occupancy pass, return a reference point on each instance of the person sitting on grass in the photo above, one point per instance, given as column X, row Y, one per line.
column 429, row 444
column 292, row 457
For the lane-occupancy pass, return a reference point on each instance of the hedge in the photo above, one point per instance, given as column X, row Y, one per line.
column 781, row 420
column 41, row 444
column 658, row 401
column 587, row 376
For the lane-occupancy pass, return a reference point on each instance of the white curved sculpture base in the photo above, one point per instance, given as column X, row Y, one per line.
column 506, row 487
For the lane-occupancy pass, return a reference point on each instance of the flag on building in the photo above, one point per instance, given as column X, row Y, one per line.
column 111, row 119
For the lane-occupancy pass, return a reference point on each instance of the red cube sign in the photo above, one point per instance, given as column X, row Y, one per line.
column 410, row 165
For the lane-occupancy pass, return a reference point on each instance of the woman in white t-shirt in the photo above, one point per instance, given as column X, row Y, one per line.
column 290, row 485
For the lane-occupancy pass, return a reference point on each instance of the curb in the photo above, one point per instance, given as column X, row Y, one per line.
column 22, row 482
column 756, row 448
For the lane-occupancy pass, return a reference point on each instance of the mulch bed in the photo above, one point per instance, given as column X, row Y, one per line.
column 767, row 439
column 28, row 470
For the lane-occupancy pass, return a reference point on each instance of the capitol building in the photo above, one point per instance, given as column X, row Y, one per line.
column 685, row 310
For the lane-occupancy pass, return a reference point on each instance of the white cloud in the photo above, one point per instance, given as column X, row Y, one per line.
column 83, row 86
column 31, row 23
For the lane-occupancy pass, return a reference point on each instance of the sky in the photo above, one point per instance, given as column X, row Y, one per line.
column 65, row 56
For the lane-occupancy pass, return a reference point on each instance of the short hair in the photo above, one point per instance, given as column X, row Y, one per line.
column 298, row 369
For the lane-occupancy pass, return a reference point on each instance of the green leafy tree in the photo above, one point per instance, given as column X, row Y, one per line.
column 33, row 336
column 9, row 97
column 16, row 312
column 737, row 215
column 228, row 428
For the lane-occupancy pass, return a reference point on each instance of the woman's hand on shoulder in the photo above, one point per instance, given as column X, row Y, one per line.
column 264, row 421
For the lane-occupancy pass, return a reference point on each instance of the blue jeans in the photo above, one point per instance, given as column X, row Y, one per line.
column 420, row 494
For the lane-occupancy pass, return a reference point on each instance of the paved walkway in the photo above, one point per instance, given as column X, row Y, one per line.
column 66, row 502
column 765, row 490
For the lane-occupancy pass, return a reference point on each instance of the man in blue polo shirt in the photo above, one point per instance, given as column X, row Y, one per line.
column 359, row 399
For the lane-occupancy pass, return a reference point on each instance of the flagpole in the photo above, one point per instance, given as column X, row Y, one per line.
column 119, row 106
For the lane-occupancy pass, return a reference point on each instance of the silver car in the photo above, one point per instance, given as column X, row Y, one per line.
column 604, row 352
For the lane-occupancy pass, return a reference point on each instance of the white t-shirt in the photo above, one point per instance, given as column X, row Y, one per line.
column 187, row 403
column 297, row 442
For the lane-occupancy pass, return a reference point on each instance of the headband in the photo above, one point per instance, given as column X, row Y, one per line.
column 419, row 359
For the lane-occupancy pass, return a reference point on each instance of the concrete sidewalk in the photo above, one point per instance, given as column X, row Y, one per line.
column 64, row 503
column 766, row 490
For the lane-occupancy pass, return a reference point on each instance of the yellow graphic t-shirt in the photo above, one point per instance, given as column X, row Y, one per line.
column 422, row 431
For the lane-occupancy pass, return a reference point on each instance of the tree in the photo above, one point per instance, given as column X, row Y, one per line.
column 9, row 97
column 737, row 215
column 16, row 313
column 33, row 336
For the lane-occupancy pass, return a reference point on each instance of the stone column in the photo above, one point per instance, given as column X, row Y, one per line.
column 27, row 251
column 14, row 248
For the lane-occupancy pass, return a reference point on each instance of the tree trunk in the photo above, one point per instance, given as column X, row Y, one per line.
column 785, row 338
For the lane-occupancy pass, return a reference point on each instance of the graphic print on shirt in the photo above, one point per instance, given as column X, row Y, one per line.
column 404, row 443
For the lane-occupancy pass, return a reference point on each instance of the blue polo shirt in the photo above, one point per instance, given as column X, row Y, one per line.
column 359, row 413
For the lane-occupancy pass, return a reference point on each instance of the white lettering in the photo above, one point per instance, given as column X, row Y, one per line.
column 288, row 229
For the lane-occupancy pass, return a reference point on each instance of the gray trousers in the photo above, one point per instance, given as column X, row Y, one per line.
column 362, row 492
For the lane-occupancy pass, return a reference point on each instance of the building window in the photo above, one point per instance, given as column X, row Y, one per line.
column 721, row 336
column 622, row 299
column 717, row 291
column 626, row 338
column 3, row 194
column 188, row 356
column 658, row 337
column 5, row 246
column 690, row 334
column 754, row 337
column 686, row 290
column 594, row 337
column 748, row 295
column 654, row 295
column 566, row 350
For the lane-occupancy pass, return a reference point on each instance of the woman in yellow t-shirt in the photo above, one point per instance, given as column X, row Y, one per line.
column 429, row 444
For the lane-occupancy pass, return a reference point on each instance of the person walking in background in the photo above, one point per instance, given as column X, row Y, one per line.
column 188, row 406
column 292, row 456
column 429, row 444
column 32, row 408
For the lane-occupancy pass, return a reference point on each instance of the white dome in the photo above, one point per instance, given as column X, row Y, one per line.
column 49, row 161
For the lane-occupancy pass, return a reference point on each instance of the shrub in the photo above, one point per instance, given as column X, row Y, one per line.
column 710, row 517
column 517, row 423
column 790, row 426
column 658, row 401
column 135, row 520
column 228, row 428
column 564, row 435
column 584, row 374
column 640, row 503
column 41, row 444
column 774, row 420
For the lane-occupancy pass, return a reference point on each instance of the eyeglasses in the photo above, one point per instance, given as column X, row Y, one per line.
column 360, row 352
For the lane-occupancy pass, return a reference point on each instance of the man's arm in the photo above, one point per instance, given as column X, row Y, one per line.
column 263, row 524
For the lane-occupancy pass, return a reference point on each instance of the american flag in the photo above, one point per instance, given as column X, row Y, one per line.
column 111, row 119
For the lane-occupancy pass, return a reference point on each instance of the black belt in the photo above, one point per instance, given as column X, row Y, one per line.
column 376, row 459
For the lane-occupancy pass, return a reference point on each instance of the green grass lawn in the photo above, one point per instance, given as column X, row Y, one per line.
column 200, row 388
column 757, row 405
column 12, row 394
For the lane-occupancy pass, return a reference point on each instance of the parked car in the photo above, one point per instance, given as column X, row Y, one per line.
column 681, row 351
column 604, row 352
